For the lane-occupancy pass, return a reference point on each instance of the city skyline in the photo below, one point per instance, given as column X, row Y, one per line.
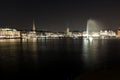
column 54, row 15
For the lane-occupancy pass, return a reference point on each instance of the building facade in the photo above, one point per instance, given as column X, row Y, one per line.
column 118, row 32
column 9, row 33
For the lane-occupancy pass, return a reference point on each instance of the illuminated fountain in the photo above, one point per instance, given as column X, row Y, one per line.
column 92, row 30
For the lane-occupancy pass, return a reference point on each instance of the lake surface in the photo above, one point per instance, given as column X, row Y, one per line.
column 57, row 58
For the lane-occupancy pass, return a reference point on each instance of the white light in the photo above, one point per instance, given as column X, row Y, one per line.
column 90, row 38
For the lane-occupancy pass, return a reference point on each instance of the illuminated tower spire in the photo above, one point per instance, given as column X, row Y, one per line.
column 33, row 26
column 68, row 33
column 68, row 30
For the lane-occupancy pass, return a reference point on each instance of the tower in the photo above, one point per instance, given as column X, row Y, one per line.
column 33, row 26
column 68, row 30
column 68, row 33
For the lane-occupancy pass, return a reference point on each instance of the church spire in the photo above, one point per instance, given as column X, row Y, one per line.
column 33, row 25
column 68, row 30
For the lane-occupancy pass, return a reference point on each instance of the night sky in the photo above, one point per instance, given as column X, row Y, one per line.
column 55, row 15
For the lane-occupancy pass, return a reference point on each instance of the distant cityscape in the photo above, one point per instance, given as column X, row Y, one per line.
column 8, row 33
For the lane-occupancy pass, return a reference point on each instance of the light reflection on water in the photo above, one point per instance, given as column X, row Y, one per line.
column 15, row 53
column 90, row 49
column 68, row 56
column 8, row 56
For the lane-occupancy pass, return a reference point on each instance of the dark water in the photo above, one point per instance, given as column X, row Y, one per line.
column 57, row 59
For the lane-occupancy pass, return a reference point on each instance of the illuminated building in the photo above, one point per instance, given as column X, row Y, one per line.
column 9, row 33
column 102, row 34
column 76, row 34
column 30, row 34
column 68, row 33
column 53, row 35
column 107, row 34
column 118, row 32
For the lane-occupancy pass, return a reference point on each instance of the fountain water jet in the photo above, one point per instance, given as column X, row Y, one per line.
column 92, row 27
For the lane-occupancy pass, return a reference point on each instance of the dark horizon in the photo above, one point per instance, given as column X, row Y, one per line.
column 55, row 15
